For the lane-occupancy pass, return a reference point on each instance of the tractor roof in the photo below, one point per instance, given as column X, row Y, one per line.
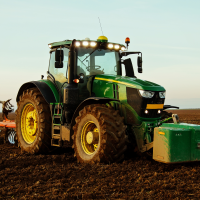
column 68, row 42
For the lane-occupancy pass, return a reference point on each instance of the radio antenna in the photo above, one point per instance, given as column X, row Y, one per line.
column 100, row 25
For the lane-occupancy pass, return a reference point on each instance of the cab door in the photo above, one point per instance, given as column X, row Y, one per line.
column 59, row 74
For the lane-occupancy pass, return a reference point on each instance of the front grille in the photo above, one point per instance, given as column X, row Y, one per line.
column 139, row 103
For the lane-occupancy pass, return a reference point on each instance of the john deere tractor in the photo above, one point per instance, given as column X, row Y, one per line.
column 86, row 102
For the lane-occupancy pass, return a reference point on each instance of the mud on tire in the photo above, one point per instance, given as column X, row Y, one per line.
column 42, row 135
column 111, row 143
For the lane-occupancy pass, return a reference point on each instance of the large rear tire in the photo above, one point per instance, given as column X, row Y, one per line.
column 33, row 122
column 99, row 135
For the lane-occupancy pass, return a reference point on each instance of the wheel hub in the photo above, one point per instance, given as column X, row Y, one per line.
column 89, row 138
column 29, row 123
column 92, row 136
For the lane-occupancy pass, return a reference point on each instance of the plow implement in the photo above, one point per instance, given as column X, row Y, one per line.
column 8, row 126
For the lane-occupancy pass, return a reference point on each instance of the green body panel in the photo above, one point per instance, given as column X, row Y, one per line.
column 176, row 143
column 53, row 88
column 127, row 81
column 103, row 86
column 103, row 89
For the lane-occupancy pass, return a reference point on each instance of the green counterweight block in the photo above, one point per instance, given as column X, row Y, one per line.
column 174, row 143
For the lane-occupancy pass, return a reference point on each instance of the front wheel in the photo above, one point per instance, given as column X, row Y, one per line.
column 99, row 135
column 33, row 122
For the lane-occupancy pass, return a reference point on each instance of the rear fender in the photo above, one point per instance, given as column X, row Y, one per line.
column 46, row 88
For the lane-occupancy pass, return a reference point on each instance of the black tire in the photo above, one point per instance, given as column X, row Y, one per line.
column 42, row 134
column 111, row 135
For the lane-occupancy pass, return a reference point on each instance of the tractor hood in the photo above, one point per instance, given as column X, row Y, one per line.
column 130, row 82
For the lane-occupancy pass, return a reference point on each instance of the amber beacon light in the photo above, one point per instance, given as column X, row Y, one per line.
column 127, row 41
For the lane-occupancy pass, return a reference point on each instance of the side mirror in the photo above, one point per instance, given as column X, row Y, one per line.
column 59, row 56
column 129, row 68
column 58, row 64
column 139, row 63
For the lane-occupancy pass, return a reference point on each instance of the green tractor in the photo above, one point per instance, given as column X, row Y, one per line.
column 87, row 103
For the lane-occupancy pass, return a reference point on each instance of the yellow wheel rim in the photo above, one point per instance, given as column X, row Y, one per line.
column 89, row 138
column 29, row 123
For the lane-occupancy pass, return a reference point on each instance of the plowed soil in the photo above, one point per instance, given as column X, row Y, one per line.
column 57, row 175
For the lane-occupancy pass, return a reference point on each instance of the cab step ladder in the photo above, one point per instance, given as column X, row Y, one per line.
column 56, row 109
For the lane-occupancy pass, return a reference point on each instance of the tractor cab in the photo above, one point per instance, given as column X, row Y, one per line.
column 87, row 59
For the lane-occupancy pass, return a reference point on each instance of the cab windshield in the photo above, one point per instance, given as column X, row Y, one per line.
column 92, row 61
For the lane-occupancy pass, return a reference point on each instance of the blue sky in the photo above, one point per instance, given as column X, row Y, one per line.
column 167, row 32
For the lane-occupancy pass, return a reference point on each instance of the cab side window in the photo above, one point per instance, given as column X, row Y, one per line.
column 60, row 74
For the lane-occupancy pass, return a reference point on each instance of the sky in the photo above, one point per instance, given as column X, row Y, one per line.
column 165, row 31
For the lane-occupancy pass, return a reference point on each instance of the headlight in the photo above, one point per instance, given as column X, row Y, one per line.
column 77, row 44
column 123, row 48
column 110, row 46
column 146, row 94
column 85, row 43
column 162, row 94
column 93, row 44
column 117, row 46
